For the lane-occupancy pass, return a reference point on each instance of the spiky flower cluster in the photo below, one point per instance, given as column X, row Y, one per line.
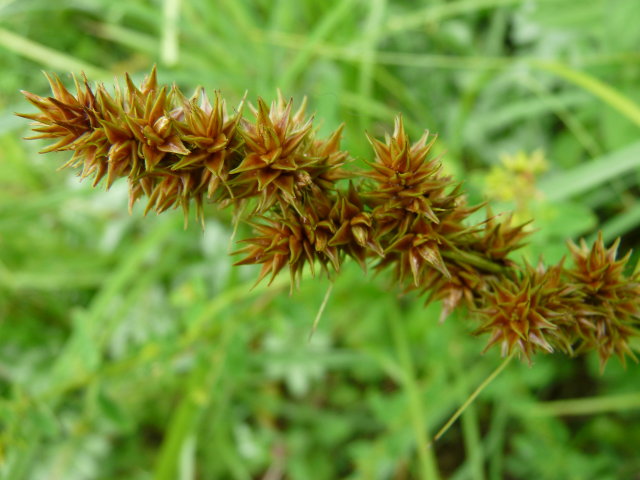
column 593, row 305
column 172, row 150
column 609, row 306
column 401, row 213
column 525, row 312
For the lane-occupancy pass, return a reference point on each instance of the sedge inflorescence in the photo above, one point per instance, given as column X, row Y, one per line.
column 306, row 209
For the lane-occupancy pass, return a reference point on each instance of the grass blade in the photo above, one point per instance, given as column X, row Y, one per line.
column 48, row 57
column 620, row 224
column 609, row 95
column 171, row 15
column 585, row 177
column 587, row 406
column 310, row 45
column 441, row 11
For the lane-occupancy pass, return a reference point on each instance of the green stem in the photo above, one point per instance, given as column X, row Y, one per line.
column 474, row 259
column 623, row 104
column 428, row 466
column 587, row 406
column 470, row 423
column 472, row 397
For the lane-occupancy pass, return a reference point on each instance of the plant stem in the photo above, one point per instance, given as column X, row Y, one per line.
column 472, row 397
column 473, row 259
column 428, row 466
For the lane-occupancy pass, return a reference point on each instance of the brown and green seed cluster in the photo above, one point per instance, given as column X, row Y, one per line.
column 306, row 209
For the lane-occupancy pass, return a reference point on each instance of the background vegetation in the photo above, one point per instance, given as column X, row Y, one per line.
column 129, row 347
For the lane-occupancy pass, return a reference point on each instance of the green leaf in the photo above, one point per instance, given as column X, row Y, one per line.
column 47, row 56
column 564, row 185
column 606, row 93
column 112, row 411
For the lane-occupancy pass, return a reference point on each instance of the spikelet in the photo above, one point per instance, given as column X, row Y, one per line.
column 213, row 145
column 291, row 239
column 282, row 160
column 523, row 313
column 406, row 181
column 418, row 212
column 609, row 313
column 74, row 123
column 64, row 116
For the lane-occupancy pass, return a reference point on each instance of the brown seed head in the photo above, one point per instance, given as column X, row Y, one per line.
column 523, row 313
column 282, row 161
column 293, row 239
column 406, row 180
column 610, row 309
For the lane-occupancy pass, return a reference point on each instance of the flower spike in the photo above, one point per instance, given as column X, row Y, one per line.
column 288, row 184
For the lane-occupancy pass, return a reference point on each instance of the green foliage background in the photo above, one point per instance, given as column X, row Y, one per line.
column 129, row 347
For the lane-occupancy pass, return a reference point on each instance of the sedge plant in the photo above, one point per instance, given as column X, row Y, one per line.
column 307, row 209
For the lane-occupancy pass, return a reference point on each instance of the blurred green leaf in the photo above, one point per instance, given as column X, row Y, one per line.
column 564, row 185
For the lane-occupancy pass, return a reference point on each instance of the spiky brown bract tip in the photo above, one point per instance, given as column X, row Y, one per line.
column 282, row 159
column 609, row 313
column 523, row 313
column 64, row 115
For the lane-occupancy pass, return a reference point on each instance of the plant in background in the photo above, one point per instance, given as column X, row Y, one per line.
column 306, row 208
column 514, row 180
